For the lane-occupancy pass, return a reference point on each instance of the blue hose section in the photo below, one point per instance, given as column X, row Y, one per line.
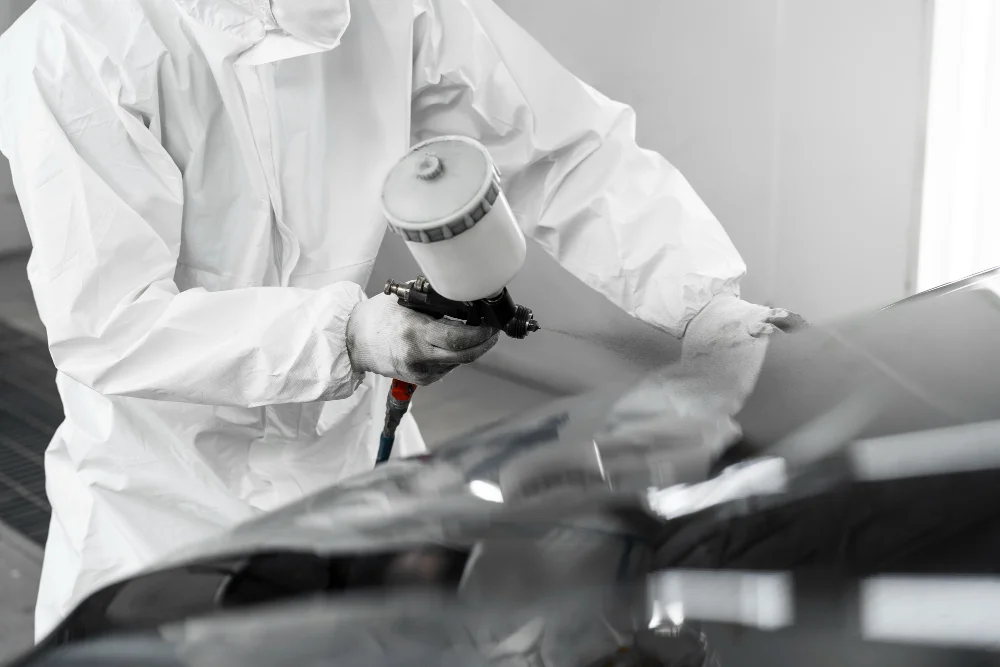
column 384, row 448
column 624, row 562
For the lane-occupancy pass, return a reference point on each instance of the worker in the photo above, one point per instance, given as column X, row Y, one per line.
column 201, row 182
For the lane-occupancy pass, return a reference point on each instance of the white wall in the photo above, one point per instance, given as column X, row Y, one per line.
column 852, row 106
column 13, row 233
column 801, row 124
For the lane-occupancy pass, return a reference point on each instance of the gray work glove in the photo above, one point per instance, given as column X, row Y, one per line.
column 724, row 344
column 686, row 410
column 390, row 340
column 728, row 322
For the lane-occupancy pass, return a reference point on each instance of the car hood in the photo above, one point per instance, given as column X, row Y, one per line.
column 865, row 454
column 924, row 364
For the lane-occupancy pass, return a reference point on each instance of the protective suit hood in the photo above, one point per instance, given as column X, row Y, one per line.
column 319, row 24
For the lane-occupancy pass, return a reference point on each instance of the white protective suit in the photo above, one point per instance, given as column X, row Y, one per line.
column 202, row 192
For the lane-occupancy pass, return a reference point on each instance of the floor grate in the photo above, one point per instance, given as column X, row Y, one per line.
column 30, row 412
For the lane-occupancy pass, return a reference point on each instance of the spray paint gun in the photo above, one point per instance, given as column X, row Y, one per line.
column 498, row 311
column 444, row 199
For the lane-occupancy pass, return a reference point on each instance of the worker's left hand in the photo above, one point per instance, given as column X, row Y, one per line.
column 728, row 322
column 779, row 319
column 724, row 345
column 722, row 352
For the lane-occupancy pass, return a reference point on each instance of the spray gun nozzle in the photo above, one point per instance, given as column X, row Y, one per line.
column 393, row 288
column 498, row 311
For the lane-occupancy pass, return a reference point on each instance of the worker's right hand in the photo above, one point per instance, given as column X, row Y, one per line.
column 388, row 339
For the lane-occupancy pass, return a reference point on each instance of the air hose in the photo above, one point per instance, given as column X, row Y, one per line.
column 397, row 403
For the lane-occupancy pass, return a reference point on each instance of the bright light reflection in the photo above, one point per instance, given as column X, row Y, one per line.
column 675, row 612
column 486, row 490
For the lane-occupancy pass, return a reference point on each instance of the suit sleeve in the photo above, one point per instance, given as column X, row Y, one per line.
column 104, row 204
column 620, row 218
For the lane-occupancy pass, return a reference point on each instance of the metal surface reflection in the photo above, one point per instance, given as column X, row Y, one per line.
column 841, row 505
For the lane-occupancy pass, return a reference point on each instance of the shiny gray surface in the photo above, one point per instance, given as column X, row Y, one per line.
column 610, row 490
column 928, row 363
column 20, row 569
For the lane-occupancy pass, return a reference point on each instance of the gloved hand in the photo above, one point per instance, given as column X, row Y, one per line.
column 722, row 352
column 390, row 340
column 727, row 322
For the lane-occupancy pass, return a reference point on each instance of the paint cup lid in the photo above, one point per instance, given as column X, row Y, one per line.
column 440, row 189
